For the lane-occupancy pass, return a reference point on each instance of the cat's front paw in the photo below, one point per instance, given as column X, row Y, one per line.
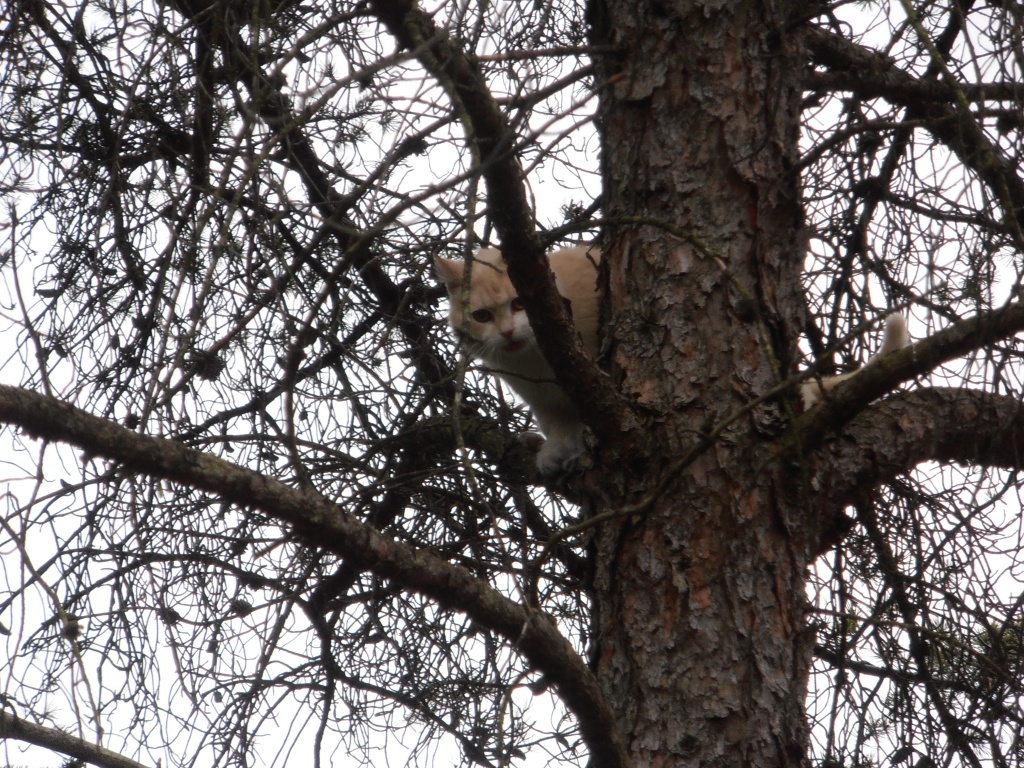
column 559, row 457
column 531, row 441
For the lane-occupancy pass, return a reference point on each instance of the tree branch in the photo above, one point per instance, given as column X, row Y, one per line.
column 14, row 727
column 906, row 89
column 525, row 251
column 878, row 75
column 322, row 524
column 918, row 647
column 934, row 424
column 849, row 398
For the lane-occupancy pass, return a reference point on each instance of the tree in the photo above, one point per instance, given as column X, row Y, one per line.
column 295, row 525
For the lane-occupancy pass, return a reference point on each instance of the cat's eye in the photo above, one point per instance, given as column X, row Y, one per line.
column 517, row 305
column 483, row 315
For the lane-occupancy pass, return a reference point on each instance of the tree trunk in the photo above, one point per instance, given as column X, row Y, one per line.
column 699, row 595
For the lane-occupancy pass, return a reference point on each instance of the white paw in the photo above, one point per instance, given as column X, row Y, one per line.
column 532, row 441
column 559, row 457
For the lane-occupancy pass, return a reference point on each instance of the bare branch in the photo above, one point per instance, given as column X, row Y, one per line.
column 14, row 727
column 904, row 90
column 878, row 75
column 488, row 131
column 323, row 524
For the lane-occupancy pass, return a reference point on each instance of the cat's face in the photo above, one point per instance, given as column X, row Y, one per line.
column 496, row 323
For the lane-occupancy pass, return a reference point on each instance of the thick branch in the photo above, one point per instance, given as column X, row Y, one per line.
column 14, row 727
column 323, row 524
column 935, row 424
column 487, row 128
column 871, row 382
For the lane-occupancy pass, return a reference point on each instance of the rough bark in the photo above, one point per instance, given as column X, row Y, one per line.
column 893, row 436
column 700, row 599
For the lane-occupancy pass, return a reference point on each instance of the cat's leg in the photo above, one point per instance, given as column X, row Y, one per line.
column 563, row 443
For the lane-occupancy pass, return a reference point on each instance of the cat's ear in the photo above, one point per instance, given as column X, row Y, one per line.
column 449, row 271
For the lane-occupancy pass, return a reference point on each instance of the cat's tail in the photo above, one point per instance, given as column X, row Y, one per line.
column 894, row 338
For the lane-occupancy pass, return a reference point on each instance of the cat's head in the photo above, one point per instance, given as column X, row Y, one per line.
column 496, row 324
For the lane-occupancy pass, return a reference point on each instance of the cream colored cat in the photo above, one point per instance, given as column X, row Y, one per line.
column 497, row 332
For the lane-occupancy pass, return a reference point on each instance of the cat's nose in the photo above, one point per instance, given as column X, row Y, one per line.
column 507, row 333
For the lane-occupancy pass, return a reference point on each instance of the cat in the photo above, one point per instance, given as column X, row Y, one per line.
column 895, row 337
column 498, row 333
